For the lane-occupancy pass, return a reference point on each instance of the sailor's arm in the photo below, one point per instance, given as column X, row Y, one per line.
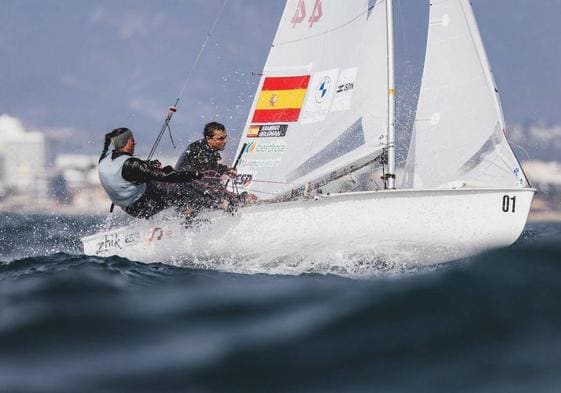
column 138, row 171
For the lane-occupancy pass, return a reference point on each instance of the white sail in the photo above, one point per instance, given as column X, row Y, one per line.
column 321, row 103
column 459, row 129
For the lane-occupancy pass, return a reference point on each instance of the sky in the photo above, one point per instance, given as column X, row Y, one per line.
column 78, row 69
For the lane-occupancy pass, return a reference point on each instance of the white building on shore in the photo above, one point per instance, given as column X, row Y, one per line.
column 22, row 159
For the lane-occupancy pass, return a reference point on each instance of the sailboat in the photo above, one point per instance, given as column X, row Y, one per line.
column 319, row 149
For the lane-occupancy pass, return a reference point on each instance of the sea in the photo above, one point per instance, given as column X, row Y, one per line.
column 76, row 323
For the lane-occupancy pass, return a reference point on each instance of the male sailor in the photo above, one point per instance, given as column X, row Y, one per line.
column 204, row 156
column 141, row 188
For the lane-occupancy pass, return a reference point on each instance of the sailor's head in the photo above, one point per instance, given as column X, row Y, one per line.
column 123, row 140
column 215, row 135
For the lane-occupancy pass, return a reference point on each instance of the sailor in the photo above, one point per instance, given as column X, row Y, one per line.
column 204, row 156
column 141, row 188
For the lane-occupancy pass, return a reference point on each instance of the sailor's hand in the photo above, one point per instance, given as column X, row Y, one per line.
column 224, row 204
column 250, row 198
column 247, row 199
column 232, row 172
column 155, row 164
column 195, row 175
column 168, row 169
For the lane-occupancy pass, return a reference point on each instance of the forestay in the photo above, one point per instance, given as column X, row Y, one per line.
column 459, row 130
column 321, row 103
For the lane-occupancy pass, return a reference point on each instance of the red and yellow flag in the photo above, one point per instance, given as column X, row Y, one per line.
column 281, row 99
column 253, row 131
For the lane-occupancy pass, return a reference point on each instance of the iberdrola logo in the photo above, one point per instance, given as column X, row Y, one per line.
column 260, row 147
column 250, row 147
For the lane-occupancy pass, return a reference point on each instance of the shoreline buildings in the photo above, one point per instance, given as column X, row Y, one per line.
column 31, row 182
column 22, row 160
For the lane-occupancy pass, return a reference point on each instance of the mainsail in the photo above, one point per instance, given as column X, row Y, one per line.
column 321, row 103
column 459, row 129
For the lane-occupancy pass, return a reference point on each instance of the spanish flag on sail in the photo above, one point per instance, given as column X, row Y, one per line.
column 253, row 131
column 281, row 99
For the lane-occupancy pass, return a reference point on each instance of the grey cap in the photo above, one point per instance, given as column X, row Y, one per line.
column 121, row 140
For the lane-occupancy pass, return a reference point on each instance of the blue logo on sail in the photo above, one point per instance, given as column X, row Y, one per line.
column 323, row 89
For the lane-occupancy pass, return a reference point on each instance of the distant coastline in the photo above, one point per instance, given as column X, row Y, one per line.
column 540, row 216
column 538, row 213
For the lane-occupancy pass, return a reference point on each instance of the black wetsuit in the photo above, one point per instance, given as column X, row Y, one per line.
column 208, row 192
column 165, row 187
column 200, row 157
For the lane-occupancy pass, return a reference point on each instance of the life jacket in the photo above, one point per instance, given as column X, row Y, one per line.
column 121, row 192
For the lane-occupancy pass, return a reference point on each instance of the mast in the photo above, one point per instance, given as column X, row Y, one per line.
column 390, row 175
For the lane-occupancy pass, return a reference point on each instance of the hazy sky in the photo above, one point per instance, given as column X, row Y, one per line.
column 90, row 66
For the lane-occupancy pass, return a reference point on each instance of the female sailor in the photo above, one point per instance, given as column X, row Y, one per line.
column 141, row 188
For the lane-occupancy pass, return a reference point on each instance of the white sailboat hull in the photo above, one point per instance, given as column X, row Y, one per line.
column 405, row 226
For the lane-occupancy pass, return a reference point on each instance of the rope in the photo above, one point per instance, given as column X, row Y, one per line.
column 269, row 181
column 252, row 180
column 258, row 191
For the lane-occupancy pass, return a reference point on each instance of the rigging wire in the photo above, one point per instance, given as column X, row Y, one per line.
column 172, row 109
column 203, row 46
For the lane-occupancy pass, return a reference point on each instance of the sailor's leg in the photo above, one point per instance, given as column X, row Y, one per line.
column 153, row 201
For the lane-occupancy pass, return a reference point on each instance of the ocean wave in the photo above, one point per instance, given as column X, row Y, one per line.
column 70, row 322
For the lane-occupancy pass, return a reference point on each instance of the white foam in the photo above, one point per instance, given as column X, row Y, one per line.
column 265, row 243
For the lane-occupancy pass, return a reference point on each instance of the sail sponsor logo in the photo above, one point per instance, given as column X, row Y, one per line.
column 317, row 105
column 345, row 87
column 323, row 89
column 300, row 13
column 344, row 91
column 267, row 131
column 260, row 163
column 260, row 147
column 281, row 99
column 243, row 179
